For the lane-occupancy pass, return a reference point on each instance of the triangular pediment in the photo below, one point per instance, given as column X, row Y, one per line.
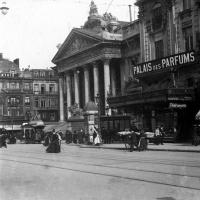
column 77, row 41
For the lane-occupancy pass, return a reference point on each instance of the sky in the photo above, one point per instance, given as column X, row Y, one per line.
column 32, row 29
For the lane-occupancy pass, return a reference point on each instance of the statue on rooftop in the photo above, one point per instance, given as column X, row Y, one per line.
column 93, row 9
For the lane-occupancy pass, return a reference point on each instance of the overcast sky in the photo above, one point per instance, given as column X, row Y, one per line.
column 32, row 28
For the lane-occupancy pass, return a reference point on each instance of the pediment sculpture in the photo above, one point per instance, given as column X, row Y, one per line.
column 78, row 44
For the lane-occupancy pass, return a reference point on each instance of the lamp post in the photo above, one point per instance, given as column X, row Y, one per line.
column 98, row 101
column 4, row 9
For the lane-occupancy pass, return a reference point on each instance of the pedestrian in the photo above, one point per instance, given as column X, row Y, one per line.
column 3, row 137
column 54, row 146
column 157, row 139
column 162, row 134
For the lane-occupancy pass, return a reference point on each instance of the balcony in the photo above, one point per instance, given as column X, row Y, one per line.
column 45, row 93
column 165, row 95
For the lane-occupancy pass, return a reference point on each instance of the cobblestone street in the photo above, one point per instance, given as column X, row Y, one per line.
column 28, row 173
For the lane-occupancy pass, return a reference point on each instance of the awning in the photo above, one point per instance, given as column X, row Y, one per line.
column 12, row 127
column 197, row 117
column 58, row 127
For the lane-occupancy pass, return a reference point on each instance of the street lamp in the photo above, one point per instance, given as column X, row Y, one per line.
column 98, row 102
column 4, row 9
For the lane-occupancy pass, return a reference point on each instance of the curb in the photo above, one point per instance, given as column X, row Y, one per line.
column 150, row 149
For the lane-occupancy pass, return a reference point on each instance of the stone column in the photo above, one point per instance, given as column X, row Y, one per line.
column 76, row 87
column 61, row 99
column 113, row 81
column 87, row 85
column 96, row 79
column 68, row 83
column 106, row 80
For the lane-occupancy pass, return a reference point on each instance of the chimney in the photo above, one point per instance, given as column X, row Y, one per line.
column 1, row 56
column 16, row 61
column 130, row 13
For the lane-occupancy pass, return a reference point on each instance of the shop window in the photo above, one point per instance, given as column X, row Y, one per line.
column 52, row 116
column 188, row 38
column 43, row 115
column 186, row 4
column 190, row 82
column 157, row 17
column 159, row 49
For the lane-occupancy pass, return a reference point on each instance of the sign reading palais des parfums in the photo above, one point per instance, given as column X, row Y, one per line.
column 166, row 62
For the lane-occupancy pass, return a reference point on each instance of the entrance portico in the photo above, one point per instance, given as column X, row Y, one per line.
column 85, row 59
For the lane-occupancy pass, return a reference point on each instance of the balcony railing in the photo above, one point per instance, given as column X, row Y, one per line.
column 155, row 95
column 45, row 93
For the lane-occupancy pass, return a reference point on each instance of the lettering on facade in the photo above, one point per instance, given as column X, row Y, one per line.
column 176, row 105
column 180, row 98
column 167, row 62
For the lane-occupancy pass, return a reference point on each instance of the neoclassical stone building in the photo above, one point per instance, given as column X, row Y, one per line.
column 91, row 61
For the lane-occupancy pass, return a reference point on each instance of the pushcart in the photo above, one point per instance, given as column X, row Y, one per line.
column 134, row 140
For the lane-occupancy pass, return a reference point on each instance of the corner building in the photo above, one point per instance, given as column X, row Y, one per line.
column 165, row 82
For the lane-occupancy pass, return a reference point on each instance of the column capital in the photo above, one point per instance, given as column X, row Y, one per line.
column 106, row 61
column 95, row 64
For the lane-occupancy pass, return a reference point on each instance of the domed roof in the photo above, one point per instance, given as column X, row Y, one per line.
column 91, row 106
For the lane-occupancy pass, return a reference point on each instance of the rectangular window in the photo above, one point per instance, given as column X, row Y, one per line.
column 51, row 74
column 27, row 100
column 43, row 103
column 186, row 4
column 42, row 74
column 51, row 88
column 159, row 49
column 36, row 102
column 26, row 86
column 53, row 103
column 43, row 88
column 36, row 74
column 36, row 88
column 12, row 86
column 157, row 18
column 188, row 38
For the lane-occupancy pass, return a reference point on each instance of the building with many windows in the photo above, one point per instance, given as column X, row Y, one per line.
column 165, row 82
column 26, row 94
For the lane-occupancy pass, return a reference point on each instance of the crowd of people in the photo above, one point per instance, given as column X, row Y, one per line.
column 80, row 137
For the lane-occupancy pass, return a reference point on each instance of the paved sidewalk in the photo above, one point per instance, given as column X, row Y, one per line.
column 178, row 147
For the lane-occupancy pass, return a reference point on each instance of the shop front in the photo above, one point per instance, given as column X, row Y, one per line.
column 161, row 93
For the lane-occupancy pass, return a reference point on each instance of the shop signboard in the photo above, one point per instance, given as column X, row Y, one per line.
column 177, row 105
column 169, row 62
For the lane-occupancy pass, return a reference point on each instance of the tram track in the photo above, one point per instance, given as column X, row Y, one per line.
column 167, row 162
column 103, row 174
column 107, row 166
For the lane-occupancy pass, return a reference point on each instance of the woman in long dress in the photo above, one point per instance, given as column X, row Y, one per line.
column 54, row 146
column 97, row 139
